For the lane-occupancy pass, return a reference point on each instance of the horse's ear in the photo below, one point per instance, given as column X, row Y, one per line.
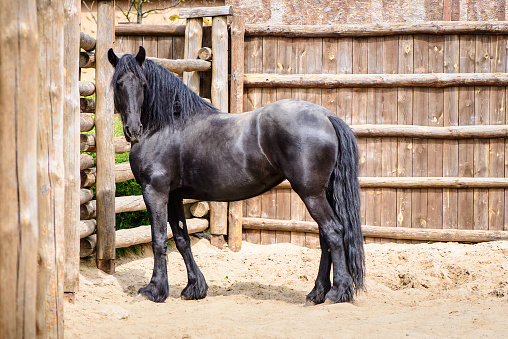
column 113, row 59
column 140, row 57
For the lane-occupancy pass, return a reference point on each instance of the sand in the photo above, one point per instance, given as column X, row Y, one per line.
column 413, row 290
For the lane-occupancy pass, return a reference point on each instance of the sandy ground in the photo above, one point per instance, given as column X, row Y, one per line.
column 424, row 290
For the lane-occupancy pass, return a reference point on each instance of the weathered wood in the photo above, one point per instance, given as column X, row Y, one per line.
column 85, row 195
column 50, row 169
column 431, row 132
column 378, row 29
column 205, row 53
column 150, row 30
column 87, row 210
column 193, row 42
column 87, row 105
column 87, row 60
column 86, row 88
column 85, row 161
column 122, row 172
column 375, row 80
column 235, row 226
column 138, row 235
column 218, row 218
column 88, row 144
column 86, row 227
column 104, row 130
column 86, row 42
column 201, row 12
column 18, row 168
column 200, row 209
column 383, row 231
column 73, row 163
column 86, row 122
column 181, row 65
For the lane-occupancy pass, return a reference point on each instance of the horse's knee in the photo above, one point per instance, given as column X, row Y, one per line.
column 333, row 233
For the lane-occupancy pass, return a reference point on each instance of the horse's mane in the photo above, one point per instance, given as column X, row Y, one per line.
column 166, row 98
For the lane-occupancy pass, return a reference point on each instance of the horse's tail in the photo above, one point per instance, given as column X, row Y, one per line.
column 343, row 194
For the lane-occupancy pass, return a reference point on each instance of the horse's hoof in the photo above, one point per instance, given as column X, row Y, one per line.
column 309, row 302
column 151, row 292
column 329, row 302
column 195, row 291
column 339, row 296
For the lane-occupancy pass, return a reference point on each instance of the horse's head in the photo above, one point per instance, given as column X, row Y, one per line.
column 129, row 84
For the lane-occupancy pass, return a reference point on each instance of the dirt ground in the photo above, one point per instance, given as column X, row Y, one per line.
column 422, row 290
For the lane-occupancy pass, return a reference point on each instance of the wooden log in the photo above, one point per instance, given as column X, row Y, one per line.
column 86, row 227
column 87, row 105
column 88, row 144
column 86, row 88
column 180, row 65
column 85, row 195
column 105, row 187
column 73, row 162
column 201, row 12
column 87, row 210
column 86, row 42
column 50, row 169
column 200, row 209
column 431, row 132
column 193, row 42
column 378, row 29
column 18, row 167
column 85, row 161
column 205, row 53
column 122, row 172
column 375, row 80
column 87, row 60
column 86, row 122
column 422, row 234
column 138, row 235
column 150, row 30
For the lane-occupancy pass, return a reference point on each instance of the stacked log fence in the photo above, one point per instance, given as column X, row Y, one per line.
column 427, row 103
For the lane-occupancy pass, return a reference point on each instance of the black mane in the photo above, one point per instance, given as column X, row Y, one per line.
column 166, row 98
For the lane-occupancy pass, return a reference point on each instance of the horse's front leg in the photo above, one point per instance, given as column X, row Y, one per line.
column 156, row 203
column 196, row 287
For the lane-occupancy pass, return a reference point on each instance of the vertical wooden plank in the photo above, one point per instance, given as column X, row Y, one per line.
column 71, row 124
column 218, row 225
column 164, row 47
column 497, row 116
column 420, row 117
column 252, row 100
column 466, row 117
column 331, row 52
column 105, row 187
column 481, row 146
column 405, row 145
column 236, row 102
column 18, row 146
column 150, row 45
column 451, row 118
column 389, row 145
column 345, row 66
column 435, row 146
column 50, row 169
column 193, row 42
column 359, row 109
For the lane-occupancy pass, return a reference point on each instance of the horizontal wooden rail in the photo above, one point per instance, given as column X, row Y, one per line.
column 85, row 195
column 423, row 234
column 153, row 30
column 378, row 29
column 86, row 88
column 425, row 182
column 181, row 65
column 87, row 105
column 122, row 172
column 86, row 60
column 86, row 122
column 137, row 235
column 437, row 80
column 86, row 42
column 86, row 227
column 87, row 144
column 201, row 12
column 86, row 161
column 431, row 132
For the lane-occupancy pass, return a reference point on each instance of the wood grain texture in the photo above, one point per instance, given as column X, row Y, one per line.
column 193, row 43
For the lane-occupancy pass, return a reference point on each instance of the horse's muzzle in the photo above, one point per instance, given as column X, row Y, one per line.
column 133, row 134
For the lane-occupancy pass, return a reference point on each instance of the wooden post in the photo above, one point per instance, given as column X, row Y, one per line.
column 50, row 169
column 104, row 137
column 18, row 149
column 72, row 10
column 236, row 101
column 219, row 210
column 193, row 41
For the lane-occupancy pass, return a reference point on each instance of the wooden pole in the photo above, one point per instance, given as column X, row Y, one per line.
column 72, row 10
column 236, row 101
column 152, row 30
column 219, row 210
column 86, row 41
column 427, row 132
column 86, row 123
column 50, row 169
column 422, row 234
column 88, row 143
column 18, row 148
column 193, row 42
column 104, row 131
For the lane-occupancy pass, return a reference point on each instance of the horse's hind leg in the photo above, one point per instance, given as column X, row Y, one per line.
column 196, row 287
column 322, row 285
column 331, row 232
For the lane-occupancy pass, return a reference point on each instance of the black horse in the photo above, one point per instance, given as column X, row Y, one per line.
column 183, row 147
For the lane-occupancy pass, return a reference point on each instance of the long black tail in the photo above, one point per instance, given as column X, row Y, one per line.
column 343, row 194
